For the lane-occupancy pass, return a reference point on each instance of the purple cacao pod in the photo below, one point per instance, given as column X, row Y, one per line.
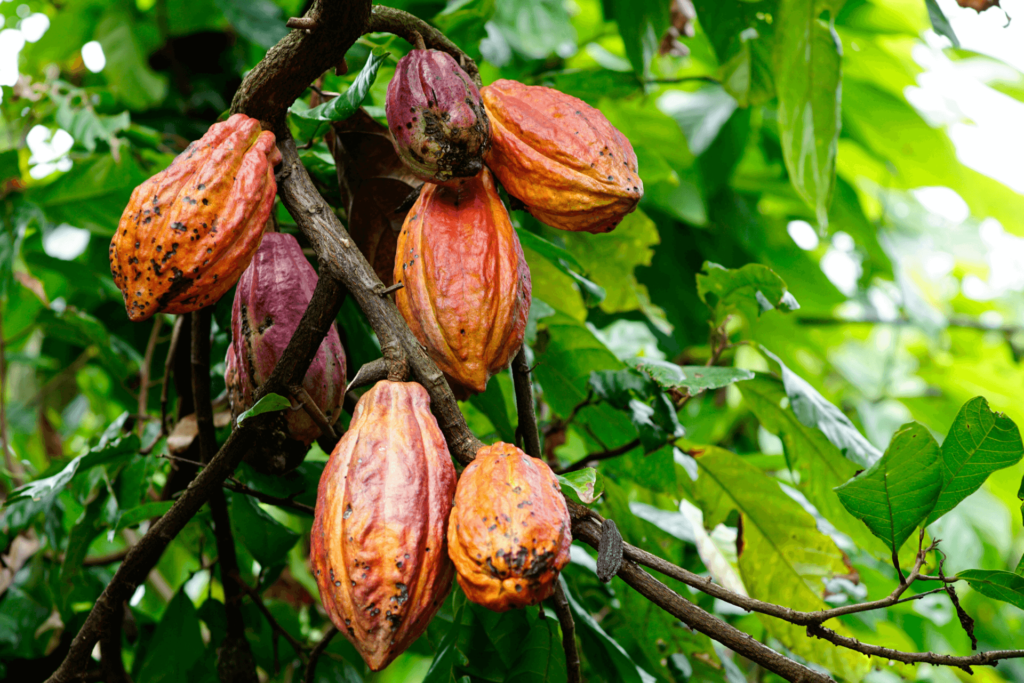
column 271, row 297
column 436, row 117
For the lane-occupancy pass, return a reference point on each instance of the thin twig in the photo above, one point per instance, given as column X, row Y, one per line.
column 168, row 371
column 239, row 487
column 389, row 20
column 144, row 371
column 313, row 410
column 299, row 648
column 564, row 613
column 603, row 455
column 314, row 656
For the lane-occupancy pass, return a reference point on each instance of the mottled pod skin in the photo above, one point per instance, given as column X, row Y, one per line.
column 436, row 117
column 271, row 297
column 189, row 231
column 378, row 541
column 466, row 293
column 509, row 532
column 561, row 157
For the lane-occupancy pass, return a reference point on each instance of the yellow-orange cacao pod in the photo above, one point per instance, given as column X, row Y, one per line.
column 509, row 533
column 561, row 157
column 466, row 293
column 190, row 231
column 378, row 541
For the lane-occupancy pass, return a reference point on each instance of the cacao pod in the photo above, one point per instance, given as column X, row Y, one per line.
column 466, row 293
column 509, row 532
column 436, row 117
column 270, row 299
column 378, row 541
column 189, row 231
column 561, row 157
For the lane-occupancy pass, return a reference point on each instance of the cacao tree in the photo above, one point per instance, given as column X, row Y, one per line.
column 510, row 341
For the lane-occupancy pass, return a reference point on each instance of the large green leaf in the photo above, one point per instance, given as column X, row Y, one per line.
column 783, row 558
column 743, row 38
column 267, row 539
column 808, row 83
column 693, row 378
column 896, row 494
column 979, row 443
column 176, row 644
column 533, row 28
column 641, row 25
column 259, row 21
column 940, row 23
column 1001, row 585
column 541, row 657
column 127, row 69
column 347, row 103
column 752, row 289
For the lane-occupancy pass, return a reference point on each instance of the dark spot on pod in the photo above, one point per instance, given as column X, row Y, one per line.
column 206, row 202
column 337, row 583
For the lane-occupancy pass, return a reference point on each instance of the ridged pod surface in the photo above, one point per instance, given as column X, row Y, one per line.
column 378, row 541
column 436, row 117
column 561, row 157
column 189, row 231
column 466, row 293
column 509, row 532
column 271, row 297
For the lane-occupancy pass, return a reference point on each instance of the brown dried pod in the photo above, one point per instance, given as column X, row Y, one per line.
column 189, row 231
column 378, row 541
column 466, row 293
column 509, row 532
column 560, row 157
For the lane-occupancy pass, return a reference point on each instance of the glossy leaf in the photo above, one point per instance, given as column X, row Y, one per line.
column 979, row 443
column 268, row 404
column 693, row 378
column 584, row 485
column 752, row 289
column 348, row 102
column 266, row 539
column 1000, row 585
column 896, row 494
column 940, row 23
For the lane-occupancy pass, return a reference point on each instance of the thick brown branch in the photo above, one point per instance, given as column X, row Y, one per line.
column 564, row 613
column 524, row 404
column 417, row 33
column 661, row 595
column 340, row 258
column 989, row 658
column 111, row 661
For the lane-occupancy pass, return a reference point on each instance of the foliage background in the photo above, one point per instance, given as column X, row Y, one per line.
column 908, row 281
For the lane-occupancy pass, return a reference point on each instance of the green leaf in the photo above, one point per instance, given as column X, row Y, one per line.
column 641, row 25
column 563, row 261
column 693, row 378
column 348, row 102
column 259, row 21
column 979, row 443
column 628, row 671
column 814, row 410
column 141, row 513
column 82, row 534
column 940, row 23
column 535, row 29
column 266, row 539
column 896, row 494
column 176, row 644
column 1000, row 585
column 76, row 327
column 783, row 558
column 268, row 404
column 808, row 66
column 492, row 404
column 743, row 38
column 447, row 654
column 584, row 485
column 541, row 657
column 127, row 70
column 752, row 289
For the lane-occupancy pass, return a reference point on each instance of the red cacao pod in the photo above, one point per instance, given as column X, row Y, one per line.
column 189, row 231
column 378, row 540
column 509, row 532
column 561, row 157
column 436, row 117
column 270, row 299
column 466, row 293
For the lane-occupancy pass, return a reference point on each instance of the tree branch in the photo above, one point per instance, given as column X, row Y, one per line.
column 234, row 656
column 524, row 404
column 278, row 630
column 239, row 487
column 603, row 455
column 404, row 25
column 314, row 656
column 572, row 655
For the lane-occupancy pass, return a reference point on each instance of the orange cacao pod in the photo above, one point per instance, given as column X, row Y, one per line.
column 509, row 533
column 561, row 157
column 378, row 541
column 466, row 293
column 189, row 231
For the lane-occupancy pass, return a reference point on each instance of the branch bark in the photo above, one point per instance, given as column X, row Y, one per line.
column 235, row 663
column 572, row 654
column 417, row 32
column 524, row 404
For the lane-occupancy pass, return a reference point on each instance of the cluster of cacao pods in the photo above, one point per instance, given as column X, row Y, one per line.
column 466, row 285
column 387, row 539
